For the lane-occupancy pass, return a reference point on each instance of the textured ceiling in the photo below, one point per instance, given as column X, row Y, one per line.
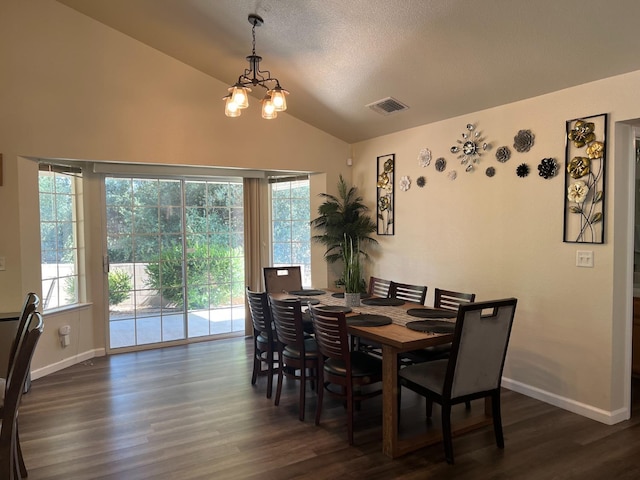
column 443, row 58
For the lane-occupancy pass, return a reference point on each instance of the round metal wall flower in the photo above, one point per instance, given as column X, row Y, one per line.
column 548, row 168
column 503, row 154
column 522, row 170
column 421, row 181
column 595, row 150
column 384, row 203
column 577, row 192
column 441, row 164
column 582, row 133
column 384, row 181
column 424, row 157
column 388, row 166
column 523, row 141
column 490, row 172
column 405, row 183
column 452, row 175
column 471, row 147
column 579, row 167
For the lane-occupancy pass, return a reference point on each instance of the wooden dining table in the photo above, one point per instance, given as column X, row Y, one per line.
column 396, row 338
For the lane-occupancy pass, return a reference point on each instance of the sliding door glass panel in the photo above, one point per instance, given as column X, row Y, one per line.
column 173, row 272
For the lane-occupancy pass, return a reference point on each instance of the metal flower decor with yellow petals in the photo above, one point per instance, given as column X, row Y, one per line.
column 384, row 187
column 584, row 204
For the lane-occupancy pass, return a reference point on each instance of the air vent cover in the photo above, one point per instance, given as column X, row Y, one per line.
column 387, row 106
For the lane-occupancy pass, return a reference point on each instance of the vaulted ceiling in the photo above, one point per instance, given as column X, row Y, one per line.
column 442, row 58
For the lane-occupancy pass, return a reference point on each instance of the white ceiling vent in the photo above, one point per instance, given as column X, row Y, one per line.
column 387, row 106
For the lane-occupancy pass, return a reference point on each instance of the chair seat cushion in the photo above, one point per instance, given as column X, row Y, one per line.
column 362, row 365
column 429, row 354
column 310, row 348
column 429, row 375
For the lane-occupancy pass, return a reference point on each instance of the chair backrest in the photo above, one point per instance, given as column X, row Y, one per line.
column 287, row 318
column 449, row 300
column 31, row 303
column 260, row 312
column 330, row 330
column 13, row 394
column 410, row 293
column 479, row 347
column 379, row 287
column 282, row 279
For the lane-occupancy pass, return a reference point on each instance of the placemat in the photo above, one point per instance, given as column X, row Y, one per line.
column 341, row 295
column 368, row 320
column 431, row 313
column 307, row 292
column 304, row 301
column 383, row 301
column 432, row 326
column 335, row 308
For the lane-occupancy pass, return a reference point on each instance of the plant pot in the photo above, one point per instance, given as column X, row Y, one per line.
column 352, row 299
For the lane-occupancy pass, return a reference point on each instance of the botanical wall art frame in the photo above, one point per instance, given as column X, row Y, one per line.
column 385, row 195
column 584, row 204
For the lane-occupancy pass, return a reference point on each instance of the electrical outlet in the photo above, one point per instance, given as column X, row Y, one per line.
column 2, row 264
column 584, row 258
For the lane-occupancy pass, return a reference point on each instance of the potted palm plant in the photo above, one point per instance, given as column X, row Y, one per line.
column 345, row 230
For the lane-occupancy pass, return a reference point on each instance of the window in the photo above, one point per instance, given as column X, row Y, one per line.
column 290, row 229
column 60, row 192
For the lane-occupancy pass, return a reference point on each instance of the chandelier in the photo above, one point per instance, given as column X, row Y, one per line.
column 237, row 99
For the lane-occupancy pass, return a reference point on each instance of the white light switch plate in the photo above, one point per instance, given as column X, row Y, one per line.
column 584, row 258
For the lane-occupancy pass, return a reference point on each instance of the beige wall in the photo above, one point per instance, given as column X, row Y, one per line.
column 72, row 88
column 503, row 236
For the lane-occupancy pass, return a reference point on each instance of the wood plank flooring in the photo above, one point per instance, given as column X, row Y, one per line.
column 190, row 412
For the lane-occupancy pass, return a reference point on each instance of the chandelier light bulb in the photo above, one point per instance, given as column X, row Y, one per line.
column 230, row 108
column 239, row 96
column 268, row 108
column 278, row 99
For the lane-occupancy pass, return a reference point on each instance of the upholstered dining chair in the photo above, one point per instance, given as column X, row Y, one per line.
column 297, row 353
column 11, row 467
column 409, row 293
column 30, row 305
column 265, row 346
column 473, row 369
column 282, row 279
column 379, row 287
column 348, row 370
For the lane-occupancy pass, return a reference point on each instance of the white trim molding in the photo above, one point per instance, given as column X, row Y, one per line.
column 67, row 362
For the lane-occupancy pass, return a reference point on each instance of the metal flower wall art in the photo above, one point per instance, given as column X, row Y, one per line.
column 585, row 179
column 385, row 204
column 470, row 148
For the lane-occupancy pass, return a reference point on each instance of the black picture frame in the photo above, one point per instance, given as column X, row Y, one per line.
column 385, row 199
column 585, row 179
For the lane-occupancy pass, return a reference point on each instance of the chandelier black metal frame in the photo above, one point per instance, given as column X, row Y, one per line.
column 237, row 99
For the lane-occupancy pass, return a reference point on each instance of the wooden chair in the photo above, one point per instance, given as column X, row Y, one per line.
column 282, row 279
column 348, row 370
column 10, row 455
column 296, row 352
column 409, row 293
column 265, row 346
column 30, row 305
column 474, row 368
column 379, row 287
column 450, row 300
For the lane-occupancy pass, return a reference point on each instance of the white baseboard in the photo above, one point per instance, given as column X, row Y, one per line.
column 589, row 411
column 67, row 362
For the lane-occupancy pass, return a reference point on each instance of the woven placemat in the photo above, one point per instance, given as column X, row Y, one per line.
column 307, row 292
column 432, row 326
column 368, row 320
column 431, row 313
column 383, row 302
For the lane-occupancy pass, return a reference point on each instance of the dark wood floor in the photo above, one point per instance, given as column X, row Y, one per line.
column 191, row 413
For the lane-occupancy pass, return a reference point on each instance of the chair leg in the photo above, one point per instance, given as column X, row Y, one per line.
column 256, row 363
column 320, row 391
column 497, row 419
column 279, row 387
column 20, row 459
column 269, row 372
column 467, row 405
column 446, row 432
column 350, row 415
column 429, row 407
column 303, row 390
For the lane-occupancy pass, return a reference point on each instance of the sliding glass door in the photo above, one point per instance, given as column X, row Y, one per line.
column 176, row 259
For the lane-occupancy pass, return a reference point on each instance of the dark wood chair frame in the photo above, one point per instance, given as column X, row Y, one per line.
column 11, row 464
column 379, row 287
column 340, row 366
column 265, row 347
column 416, row 377
column 296, row 351
column 407, row 292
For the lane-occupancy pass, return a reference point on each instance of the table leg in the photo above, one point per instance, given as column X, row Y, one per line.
column 389, row 401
